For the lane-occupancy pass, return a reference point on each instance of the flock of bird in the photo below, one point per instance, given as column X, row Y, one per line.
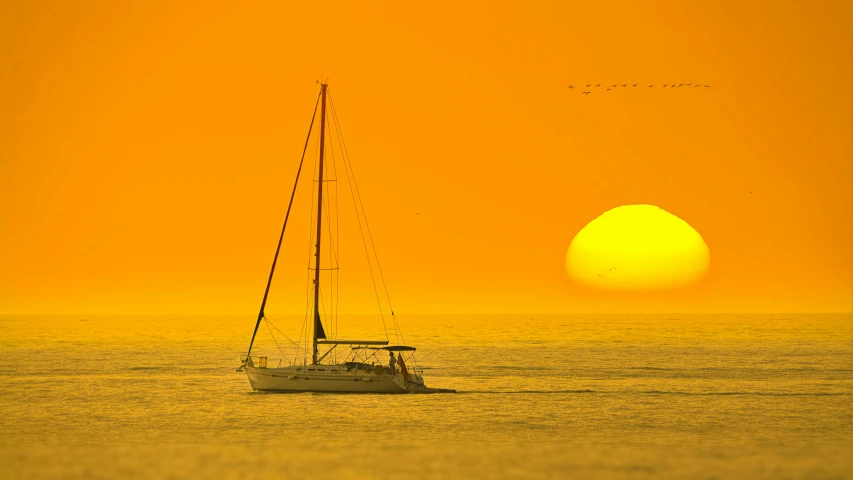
column 601, row 275
column 625, row 85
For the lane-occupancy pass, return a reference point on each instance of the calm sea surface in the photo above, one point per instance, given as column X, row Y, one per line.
column 574, row 396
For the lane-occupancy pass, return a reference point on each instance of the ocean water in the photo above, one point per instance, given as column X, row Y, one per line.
column 547, row 396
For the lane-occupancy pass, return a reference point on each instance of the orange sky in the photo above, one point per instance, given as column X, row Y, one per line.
column 147, row 149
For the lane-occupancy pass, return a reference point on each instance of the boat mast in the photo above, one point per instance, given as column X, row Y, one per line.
column 318, row 325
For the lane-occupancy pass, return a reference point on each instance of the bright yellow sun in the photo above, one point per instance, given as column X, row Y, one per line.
column 637, row 247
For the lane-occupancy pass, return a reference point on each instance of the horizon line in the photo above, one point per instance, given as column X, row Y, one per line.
column 450, row 313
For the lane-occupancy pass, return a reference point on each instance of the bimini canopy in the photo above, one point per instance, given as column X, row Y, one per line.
column 392, row 348
column 352, row 342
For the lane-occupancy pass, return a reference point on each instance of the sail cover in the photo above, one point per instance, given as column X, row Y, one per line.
column 318, row 326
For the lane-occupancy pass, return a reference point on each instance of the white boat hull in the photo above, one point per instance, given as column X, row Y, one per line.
column 288, row 379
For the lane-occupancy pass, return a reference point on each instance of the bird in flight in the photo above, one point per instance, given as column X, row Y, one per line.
column 587, row 85
column 665, row 84
column 624, row 85
column 680, row 84
column 614, row 86
column 706, row 86
column 697, row 85
column 672, row 86
column 650, row 86
column 598, row 85
column 634, row 85
column 571, row 86
column 608, row 89
column 689, row 84
column 585, row 93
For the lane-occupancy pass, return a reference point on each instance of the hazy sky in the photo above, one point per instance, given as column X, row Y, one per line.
column 147, row 149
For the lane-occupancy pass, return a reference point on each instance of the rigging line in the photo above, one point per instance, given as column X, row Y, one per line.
column 304, row 321
column 331, row 255
column 370, row 235
column 337, row 240
column 332, row 250
column 364, row 213
column 336, row 298
column 308, row 297
column 350, row 182
column 333, row 240
column 282, row 333
column 283, row 228
column 327, row 208
column 353, row 190
column 307, row 309
column 303, row 331
column 274, row 340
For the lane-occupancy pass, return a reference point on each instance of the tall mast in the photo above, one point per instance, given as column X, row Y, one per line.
column 318, row 325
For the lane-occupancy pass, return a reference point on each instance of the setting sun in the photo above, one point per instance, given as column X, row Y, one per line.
column 637, row 247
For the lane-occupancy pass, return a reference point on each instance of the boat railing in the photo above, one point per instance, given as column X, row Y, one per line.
column 262, row 362
column 257, row 362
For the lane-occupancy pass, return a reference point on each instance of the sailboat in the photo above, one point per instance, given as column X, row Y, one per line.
column 337, row 365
